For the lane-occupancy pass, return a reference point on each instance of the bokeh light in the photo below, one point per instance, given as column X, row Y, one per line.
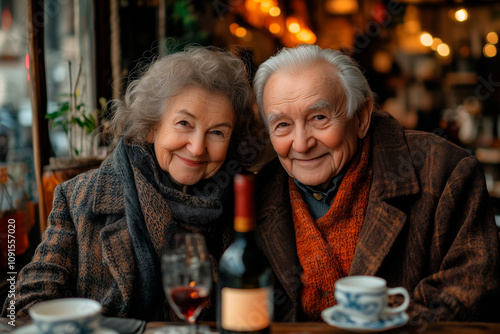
column 275, row 11
column 443, row 50
column 492, row 37
column 461, row 15
column 435, row 42
column 426, row 39
column 274, row 28
column 490, row 50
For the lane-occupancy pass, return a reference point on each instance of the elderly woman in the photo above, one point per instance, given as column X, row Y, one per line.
column 176, row 132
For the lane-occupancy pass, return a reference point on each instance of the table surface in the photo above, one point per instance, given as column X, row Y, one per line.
column 323, row 328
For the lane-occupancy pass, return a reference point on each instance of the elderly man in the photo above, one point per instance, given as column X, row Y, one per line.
column 353, row 193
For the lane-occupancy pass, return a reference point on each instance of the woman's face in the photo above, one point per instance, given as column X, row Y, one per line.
column 193, row 138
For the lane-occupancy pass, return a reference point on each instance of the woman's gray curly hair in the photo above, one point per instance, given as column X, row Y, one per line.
column 146, row 98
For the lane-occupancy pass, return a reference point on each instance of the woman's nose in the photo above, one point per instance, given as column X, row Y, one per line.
column 197, row 145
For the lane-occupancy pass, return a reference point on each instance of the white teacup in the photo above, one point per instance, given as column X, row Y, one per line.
column 67, row 316
column 364, row 298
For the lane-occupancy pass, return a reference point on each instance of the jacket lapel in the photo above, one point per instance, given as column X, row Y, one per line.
column 394, row 177
column 108, row 196
column 118, row 257
column 276, row 238
column 116, row 242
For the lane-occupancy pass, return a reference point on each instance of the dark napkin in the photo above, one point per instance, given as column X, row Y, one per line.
column 124, row 325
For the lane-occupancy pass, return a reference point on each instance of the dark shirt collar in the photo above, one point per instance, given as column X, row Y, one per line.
column 325, row 196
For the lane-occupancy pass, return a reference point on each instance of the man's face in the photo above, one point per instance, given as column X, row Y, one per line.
column 308, row 124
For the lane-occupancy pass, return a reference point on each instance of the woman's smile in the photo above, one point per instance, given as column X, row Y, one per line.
column 192, row 140
column 192, row 163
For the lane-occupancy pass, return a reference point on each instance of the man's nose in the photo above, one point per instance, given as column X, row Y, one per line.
column 303, row 140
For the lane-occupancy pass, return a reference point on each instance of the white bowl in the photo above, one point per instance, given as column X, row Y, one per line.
column 67, row 315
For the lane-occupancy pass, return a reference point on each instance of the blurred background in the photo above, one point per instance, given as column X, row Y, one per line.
column 432, row 63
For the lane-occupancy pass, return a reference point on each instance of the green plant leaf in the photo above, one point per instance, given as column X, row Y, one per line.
column 63, row 106
column 79, row 122
column 55, row 115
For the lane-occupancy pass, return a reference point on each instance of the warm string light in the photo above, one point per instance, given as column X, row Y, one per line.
column 435, row 44
column 426, row 39
column 442, row 49
column 293, row 25
column 341, row 7
column 275, row 28
column 267, row 13
column 461, row 15
column 275, row 11
column 490, row 50
column 492, row 37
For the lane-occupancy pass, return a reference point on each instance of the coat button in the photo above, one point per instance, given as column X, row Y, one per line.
column 317, row 196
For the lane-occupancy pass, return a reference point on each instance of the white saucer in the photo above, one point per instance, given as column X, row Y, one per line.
column 337, row 317
column 31, row 329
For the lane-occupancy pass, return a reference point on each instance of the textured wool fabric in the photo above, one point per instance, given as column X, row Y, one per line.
column 87, row 249
column 326, row 247
column 428, row 228
column 135, row 164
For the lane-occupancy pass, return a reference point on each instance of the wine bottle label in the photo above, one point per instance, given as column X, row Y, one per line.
column 246, row 309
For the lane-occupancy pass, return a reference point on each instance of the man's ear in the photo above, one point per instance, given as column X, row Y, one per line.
column 364, row 116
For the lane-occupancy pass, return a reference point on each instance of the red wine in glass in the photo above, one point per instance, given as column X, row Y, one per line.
column 188, row 300
column 187, row 276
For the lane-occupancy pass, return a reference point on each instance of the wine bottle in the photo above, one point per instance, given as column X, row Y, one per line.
column 245, row 287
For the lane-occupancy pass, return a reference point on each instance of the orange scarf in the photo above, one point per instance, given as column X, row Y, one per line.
column 326, row 247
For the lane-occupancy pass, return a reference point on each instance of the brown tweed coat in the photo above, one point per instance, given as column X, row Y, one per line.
column 428, row 228
column 86, row 250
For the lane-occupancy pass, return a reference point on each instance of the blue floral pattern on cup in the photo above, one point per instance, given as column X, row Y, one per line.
column 366, row 307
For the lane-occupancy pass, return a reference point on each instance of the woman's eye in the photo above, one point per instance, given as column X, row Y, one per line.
column 218, row 133
column 184, row 123
column 320, row 117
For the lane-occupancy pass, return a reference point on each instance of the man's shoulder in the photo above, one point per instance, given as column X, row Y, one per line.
column 271, row 170
column 436, row 139
column 271, row 177
column 389, row 133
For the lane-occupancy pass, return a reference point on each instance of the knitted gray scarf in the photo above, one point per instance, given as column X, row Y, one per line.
column 190, row 214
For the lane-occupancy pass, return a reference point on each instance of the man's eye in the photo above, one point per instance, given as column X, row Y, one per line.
column 184, row 123
column 320, row 117
column 282, row 125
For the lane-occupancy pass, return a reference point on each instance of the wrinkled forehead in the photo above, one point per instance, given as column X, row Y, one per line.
column 319, row 78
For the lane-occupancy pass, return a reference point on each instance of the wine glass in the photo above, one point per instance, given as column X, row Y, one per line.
column 187, row 276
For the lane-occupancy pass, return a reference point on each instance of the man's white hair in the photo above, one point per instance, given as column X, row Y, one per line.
column 348, row 72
